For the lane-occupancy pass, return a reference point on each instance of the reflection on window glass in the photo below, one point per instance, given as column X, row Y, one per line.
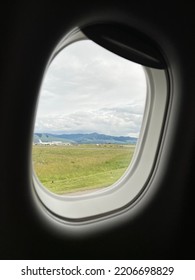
column 88, row 120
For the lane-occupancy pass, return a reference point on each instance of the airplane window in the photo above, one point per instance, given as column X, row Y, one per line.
column 88, row 121
column 98, row 128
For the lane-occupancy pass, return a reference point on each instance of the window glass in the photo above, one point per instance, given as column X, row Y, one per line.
column 88, row 120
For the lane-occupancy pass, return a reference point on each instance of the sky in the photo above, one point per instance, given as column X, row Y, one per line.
column 88, row 89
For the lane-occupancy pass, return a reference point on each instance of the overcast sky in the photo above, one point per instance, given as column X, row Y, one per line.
column 89, row 89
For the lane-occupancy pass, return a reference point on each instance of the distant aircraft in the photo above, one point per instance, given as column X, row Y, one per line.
column 44, row 143
column 55, row 143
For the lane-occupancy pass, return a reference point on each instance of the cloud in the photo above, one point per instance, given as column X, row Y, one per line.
column 114, row 121
column 89, row 89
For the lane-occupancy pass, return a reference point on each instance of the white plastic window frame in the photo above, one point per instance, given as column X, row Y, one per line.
column 81, row 209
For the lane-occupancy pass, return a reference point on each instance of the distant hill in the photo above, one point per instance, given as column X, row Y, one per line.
column 91, row 138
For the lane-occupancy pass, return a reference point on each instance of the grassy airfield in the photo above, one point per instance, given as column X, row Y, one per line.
column 69, row 169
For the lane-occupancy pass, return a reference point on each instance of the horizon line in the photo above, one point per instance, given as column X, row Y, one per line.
column 89, row 133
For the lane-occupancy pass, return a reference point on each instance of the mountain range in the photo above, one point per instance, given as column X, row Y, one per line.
column 79, row 138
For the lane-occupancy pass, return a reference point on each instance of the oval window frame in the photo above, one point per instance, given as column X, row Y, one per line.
column 79, row 209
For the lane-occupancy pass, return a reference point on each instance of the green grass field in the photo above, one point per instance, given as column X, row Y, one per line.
column 68, row 169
